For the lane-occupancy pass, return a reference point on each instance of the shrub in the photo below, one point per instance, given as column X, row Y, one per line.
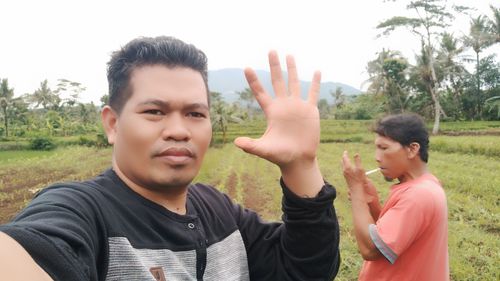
column 86, row 142
column 101, row 140
column 42, row 143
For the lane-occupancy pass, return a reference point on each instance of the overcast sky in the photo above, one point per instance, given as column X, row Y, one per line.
column 74, row 39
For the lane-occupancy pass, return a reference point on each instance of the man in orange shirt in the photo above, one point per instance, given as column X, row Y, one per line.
column 407, row 238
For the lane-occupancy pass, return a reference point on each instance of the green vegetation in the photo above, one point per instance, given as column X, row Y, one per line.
column 49, row 135
column 467, row 165
column 473, row 145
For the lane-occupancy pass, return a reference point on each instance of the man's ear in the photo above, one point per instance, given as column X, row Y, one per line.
column 109, row 119
column 413, row 150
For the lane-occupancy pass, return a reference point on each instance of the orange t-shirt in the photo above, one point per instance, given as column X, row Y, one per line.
column 411, row 233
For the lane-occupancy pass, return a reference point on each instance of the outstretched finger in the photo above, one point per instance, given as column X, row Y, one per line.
column 346, row 162
column 293, row 79
column 357, row 162
column 314, row 89
column 276, row 75
column 258, row 91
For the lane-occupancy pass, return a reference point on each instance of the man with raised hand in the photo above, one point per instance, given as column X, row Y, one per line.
column 143, row 219
column 407, row 238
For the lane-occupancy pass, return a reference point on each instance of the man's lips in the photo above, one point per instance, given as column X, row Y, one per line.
column 176, row 155
column 177, row 151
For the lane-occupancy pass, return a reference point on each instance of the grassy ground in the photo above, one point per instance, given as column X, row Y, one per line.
column 464, row 162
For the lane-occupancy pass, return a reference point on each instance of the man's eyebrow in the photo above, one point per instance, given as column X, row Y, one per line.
column 166, row 104
column 197, row 106
column 154, row 102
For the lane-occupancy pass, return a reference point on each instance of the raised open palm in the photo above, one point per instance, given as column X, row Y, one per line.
column 293, row 128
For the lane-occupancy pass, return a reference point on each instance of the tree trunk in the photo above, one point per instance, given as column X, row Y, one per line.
column 478, row 94
column 6, row 122
column 434, row 93
column 437, row 111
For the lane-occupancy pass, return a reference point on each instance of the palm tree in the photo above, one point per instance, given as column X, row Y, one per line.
column 378, row 79
column 339, row 97
column 494, row 102
column 45, row 97
column 495, row 25
column 6, row 97
column 478, row 39
column 69, row 91
column 453, row 72
column 222, row 114
column 246, row 96
column 433, row 17
column 388, row 78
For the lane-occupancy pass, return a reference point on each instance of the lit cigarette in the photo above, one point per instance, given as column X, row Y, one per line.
column 372, row 171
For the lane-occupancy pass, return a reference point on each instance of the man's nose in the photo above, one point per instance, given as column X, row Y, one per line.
column 175, row 128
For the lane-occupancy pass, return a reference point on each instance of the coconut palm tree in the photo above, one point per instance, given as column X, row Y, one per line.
column 45, row 97
column 433, row 18
column 453, row 71
column 6, row 99
column 388, row 78
column 495, row 24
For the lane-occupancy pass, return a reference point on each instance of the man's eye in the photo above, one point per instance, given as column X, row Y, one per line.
column 196, row 114
column 153, row 112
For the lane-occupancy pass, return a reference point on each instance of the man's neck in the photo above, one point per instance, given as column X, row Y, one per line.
column 417, row 170
column 173, row 199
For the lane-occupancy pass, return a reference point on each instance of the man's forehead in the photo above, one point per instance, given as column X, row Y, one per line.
column 143, row 89
column 379, row 139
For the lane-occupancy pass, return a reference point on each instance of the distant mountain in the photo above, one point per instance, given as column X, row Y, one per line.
column 229, row 81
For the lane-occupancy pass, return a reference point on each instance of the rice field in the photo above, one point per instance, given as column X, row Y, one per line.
column 468, row 164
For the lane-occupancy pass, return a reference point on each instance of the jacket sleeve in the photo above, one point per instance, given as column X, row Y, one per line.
column 304, row 247
column 58, row 230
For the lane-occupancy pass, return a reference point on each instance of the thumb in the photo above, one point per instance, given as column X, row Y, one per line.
column 246, row 144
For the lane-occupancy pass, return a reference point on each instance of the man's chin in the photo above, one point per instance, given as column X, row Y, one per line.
column 171, row 183
column 388, row 179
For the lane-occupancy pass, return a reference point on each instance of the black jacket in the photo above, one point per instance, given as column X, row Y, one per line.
column 102, row 230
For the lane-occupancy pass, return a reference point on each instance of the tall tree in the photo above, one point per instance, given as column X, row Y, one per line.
column 339, row 97
column 44, row 96
column 495, row 24
column 478, row 39
column 431, row 20
column 377, row 76
column 388, row 78
column 221, row 114
column 324, row 108
column 490, row 77
column 453, row 71
column 69, row 91
column 21, row 116
column 6, row 99
column 246, row 96
column 104, row 100
column 494, row 102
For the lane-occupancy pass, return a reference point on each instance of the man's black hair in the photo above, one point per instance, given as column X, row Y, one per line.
column 163, row 50
column 405, row 128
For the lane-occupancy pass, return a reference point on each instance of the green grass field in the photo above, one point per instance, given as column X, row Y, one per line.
column 467, row 165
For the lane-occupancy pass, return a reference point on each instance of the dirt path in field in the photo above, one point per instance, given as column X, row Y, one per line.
column 21, row 185
column 231, row 183
column 18, row 186
column 255, row 197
